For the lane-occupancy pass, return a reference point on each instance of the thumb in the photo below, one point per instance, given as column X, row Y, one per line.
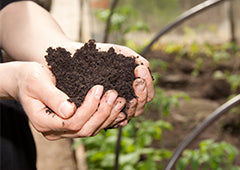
column 54, row 98
column 37, row 82
column 57, row 101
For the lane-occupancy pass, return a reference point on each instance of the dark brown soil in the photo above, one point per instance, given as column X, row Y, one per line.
column 88, row 67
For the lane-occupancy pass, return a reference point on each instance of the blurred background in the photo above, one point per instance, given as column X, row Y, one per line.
column 196, row 68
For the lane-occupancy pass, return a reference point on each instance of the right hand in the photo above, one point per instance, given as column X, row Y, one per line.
column 36, row 89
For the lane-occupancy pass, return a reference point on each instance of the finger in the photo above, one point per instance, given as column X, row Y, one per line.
column 130, row 111
column 112, row 119
column 86, row 110
column 120, row 117
column 57, row 101
column 140, row 89
column 143, row 72
column 97, row 119
column 124, row 123
column 131, row 108
column 102, row 114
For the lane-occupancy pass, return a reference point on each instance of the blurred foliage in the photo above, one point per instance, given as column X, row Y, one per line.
column 154, row 12
column 137, row 149
column 136, row 152
column 161, row 102
column 210, row 155
column 124, row 20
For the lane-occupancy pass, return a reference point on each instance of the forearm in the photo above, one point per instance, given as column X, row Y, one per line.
column 8, row 79
column 27, row 30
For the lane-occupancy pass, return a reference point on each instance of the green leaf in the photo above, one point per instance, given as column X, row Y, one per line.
column 108, row 160
column 138, row 26
column 128, row 167
column 147, row 165
column 98, row 156
column 131, row 158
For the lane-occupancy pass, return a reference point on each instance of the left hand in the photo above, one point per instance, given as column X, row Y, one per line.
column 142, row 85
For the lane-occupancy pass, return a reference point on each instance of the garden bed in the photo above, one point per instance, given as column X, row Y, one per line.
column 209, row 80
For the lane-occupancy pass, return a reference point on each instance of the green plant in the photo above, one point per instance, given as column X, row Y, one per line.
column 136, row 144
column 197, row 66
column 136, row 47
column 124, row 20
column 136, row 152
column 173, row 48
column 210, row 155
column 233, row 80
column 161, row 102
column 158, row 63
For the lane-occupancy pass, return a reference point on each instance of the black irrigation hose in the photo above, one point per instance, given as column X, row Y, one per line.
column 118, row 148
column 200, row 128
column 189, row 13
column 106, row 32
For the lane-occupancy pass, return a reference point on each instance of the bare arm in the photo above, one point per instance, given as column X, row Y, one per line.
column 27, row 30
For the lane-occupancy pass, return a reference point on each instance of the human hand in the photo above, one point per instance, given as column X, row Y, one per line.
column 36, row 89
column 143, row 85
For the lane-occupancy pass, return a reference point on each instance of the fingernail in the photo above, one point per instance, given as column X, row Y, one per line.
column 124, row 123
column 140, row 85
column 98, row 92
column 119, row 105
column 132, row 103
column 66, row 109
column 141, row 72
column 111, row 98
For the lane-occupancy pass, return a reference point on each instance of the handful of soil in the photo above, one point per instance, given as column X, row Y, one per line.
column 88, row 67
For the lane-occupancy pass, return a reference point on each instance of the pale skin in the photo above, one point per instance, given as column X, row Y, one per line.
column 26, row 31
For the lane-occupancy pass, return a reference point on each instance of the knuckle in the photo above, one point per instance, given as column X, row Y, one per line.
column 141, row 99
column 33, row 76
column 105, row 114
column 35, row 70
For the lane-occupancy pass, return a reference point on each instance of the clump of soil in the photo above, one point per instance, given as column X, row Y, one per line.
column 88, row 67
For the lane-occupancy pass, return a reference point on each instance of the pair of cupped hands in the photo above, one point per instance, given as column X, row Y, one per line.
column 37, row 91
